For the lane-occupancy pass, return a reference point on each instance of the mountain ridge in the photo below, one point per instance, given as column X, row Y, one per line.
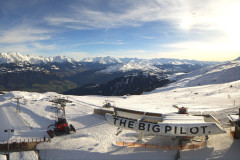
column 33, row 59
column 60, row 73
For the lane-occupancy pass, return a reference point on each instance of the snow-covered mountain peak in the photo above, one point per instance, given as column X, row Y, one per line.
column 19, row 58
column 12, row 57
column 132, row 65
column 102, row 60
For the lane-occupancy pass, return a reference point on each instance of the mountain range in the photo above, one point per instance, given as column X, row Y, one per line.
column 33, row 59
column 68, row 75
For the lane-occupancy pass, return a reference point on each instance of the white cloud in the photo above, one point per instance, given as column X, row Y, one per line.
column 184, row 14
column 40, row 46
column 148, row 37
column 23, row 34
column 15, row 48
column 118, row 42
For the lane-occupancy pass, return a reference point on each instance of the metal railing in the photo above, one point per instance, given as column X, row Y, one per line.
column 28, row 140
column 21, row 144
column 164, row 147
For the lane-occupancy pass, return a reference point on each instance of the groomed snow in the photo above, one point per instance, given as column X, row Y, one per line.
column 95, row 139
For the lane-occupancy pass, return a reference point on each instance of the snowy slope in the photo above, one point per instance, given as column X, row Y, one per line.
column 217, row 74
column 95, row 139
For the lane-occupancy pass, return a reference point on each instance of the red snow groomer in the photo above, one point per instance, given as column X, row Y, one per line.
column 61, row 127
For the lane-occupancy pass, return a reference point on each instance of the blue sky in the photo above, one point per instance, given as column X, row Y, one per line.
column 184, row 29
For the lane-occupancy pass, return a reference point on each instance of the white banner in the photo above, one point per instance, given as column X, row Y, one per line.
column 166, row 129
